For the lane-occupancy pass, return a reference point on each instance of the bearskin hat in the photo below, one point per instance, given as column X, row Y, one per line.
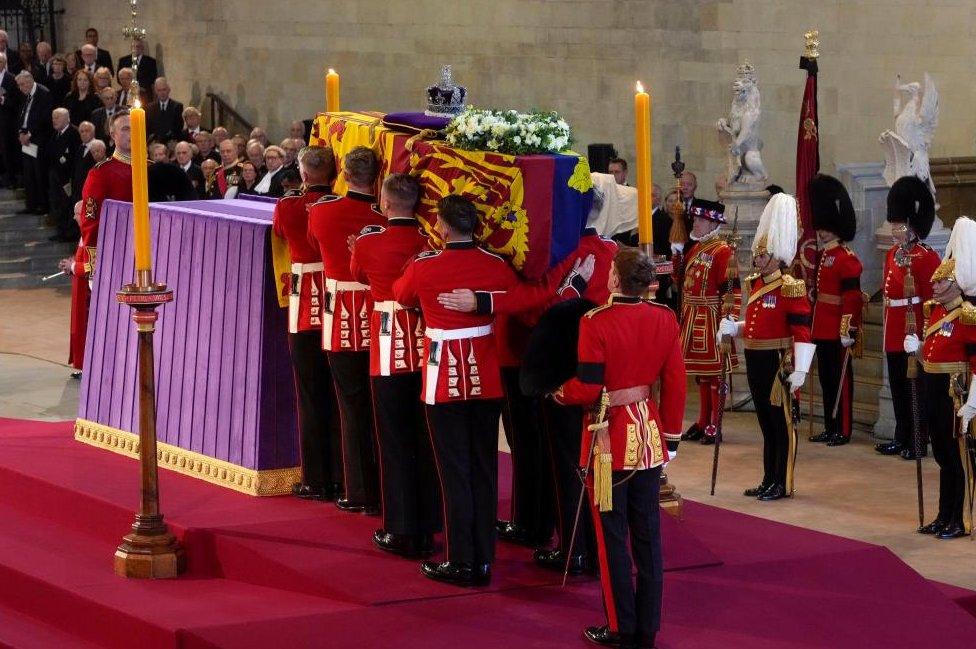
column 550, row 355
column 910, row 201
column 831, row 206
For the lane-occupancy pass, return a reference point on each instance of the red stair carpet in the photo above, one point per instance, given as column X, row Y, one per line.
column 284, row 573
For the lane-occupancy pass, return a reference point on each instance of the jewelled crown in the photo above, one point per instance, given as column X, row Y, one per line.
column 445, row 99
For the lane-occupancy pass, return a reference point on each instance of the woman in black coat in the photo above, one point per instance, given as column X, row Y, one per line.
column 82, row 100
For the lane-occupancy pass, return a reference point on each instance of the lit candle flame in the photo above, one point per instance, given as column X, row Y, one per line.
column 640, row 87
column 331, row 71
column 137, row 104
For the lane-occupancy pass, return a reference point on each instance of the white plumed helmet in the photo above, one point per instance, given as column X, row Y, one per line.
column 778, row 231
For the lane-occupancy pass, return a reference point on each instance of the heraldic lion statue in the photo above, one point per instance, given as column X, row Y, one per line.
column 742, row 129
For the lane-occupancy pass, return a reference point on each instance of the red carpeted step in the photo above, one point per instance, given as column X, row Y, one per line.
column 20, row 631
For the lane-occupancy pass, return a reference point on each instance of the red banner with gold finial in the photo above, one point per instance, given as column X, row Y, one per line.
column 807, row 166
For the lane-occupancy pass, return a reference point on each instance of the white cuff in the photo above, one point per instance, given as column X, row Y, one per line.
column 803, row 356
column 971, row 400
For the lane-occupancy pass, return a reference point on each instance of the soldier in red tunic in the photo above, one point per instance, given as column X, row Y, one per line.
column 778, row 351
column 632, row 443
column 706, row 266
column 462, row 389
column 838, row 303
column 911, row 210
column 411, row 495
column 947, row 360
column 109, row 179
column 318, row 419
column 346, row 314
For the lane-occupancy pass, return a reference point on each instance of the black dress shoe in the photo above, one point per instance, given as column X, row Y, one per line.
column 838, row 440
column 603, row 636
column 909, row 454
column 694, row 433
column 889, row 448
column 457, row 573
column 932, row 528
column 951, row 531
column 775, row 492
column 757, row 491
column 404, row 545
column 348, row 506
column 309, row 492
column 822, row 437
column 76, row 375
column 556, row 560
column 707, row 440
column 514, row 533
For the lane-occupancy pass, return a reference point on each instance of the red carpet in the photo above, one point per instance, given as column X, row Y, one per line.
column 294, row 574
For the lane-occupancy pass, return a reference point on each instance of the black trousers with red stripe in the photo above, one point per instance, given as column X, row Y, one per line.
column 464, row 435
column 901, row 400
column 350, row 374
column 633, row 612
column 318, row 414
column 762, row 366
column 563, row 426
column 830, row 361
column 942, row 426
column 532, row 494
column 408, row 482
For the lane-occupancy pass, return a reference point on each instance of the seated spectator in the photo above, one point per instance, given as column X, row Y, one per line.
column 146, row 65
column 255, row 154
column 42, row 65
column 125, row 77
column 158, row 152
column 61, row 153
column 164, row 115
column 209, row 169
column 291, row 146
column 241, row 145
column 102, row 78
column 99, row 150
column 296, row 130
column 219, row 135
column 249, row 179
column 71, row 60
column 100, row 116
column 191, row 124
column 82, row 100
column 58, row 82
column 257, row 133
column 89, row 55
column 229, row 174
column 205, row 147
column 270, row 184
column 184, row 158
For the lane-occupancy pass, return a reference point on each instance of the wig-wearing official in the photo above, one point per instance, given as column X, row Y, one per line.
column 838, row 303
column 776, row 338
column 462, row 389
column 908, row 269
column 318, row 415
column 948, row 361
column 408, row 483
column 631, row 444
column 346, row 314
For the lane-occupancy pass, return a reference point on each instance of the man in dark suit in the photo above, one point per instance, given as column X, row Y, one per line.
column 83, row 161
column 103, row 58
column 61, row 154
column 10, row 99
column 164, row 116
column 184, row 158
column 147, row 72
column 34, row 126
column 13, row 59
column 101, row 116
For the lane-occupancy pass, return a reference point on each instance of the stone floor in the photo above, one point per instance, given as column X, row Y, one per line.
column 849, row 490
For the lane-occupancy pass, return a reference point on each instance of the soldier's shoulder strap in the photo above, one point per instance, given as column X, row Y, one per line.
column 592, row 312
column 427, row 254
column 104, row 162
column 293, row 193
column 371, row 229
column 927, row 308
column 328, row 198
column 968, row 316
column 376, row 209
column 793, row 287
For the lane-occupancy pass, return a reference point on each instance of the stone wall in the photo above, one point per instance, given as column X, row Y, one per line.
column 580, row 57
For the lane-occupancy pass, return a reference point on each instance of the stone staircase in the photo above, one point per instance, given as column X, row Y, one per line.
column 26, row 255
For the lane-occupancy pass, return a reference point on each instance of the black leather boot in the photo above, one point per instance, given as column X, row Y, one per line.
column 757, row 491
column 458, row 573
column 556, row 560
column 775, row 492
column 932, row 528
column 889, row 448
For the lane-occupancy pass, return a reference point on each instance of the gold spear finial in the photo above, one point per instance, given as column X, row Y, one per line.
column 135, row 33
column 813, row 44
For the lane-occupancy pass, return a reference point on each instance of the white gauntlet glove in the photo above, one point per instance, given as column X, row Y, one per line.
column 802, row 357
column 968, row 410
column 727, row 327
column 911, row 344
column 846, row 341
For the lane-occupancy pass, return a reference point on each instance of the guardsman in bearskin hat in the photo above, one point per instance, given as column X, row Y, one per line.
column 627, row 442
column 346, row 313
column 838, row 303
column 318, row 416
column 408, row 485
column 908, row 269
column 948, row 361
column 706, row 273
column 776, row 338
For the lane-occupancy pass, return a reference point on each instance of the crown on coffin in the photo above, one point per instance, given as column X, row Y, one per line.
column 445, row 99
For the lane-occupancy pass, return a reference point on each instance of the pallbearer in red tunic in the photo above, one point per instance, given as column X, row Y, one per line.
column 462, row 389
column 109, row 179
column 632, row 443
column 706, row 266
column 948, row 359
column 318, row 417
column 346, row 312
column 838, row 303
column 776, row 338
column 911, row 211
column 408, row 486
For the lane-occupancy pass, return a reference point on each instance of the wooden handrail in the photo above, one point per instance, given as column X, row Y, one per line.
column 220, row 110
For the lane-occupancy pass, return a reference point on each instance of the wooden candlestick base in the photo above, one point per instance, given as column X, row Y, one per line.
column 150, row 551
column 669, row 498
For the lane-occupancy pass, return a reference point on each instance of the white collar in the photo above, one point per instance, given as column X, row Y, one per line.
column 707, row 236
column 187, row 166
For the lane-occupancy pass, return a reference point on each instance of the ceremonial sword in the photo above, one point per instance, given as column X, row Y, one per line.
column 725, row 348
column 911, row 374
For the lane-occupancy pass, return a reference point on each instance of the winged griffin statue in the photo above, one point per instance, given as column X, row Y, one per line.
column 907, row 147
column 741, row 128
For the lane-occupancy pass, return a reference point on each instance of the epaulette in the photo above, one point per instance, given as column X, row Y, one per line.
column 328, row 198
column 968, row 315
column 371, row 229
column 592, row 312
column 793, row 287
column 427, row 254
column 293, row 193
column 927, row 307
column 376, row 209
column 103, row 162
column 753, row 277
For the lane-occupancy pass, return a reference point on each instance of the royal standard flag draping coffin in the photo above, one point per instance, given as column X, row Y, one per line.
column 533, row 207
